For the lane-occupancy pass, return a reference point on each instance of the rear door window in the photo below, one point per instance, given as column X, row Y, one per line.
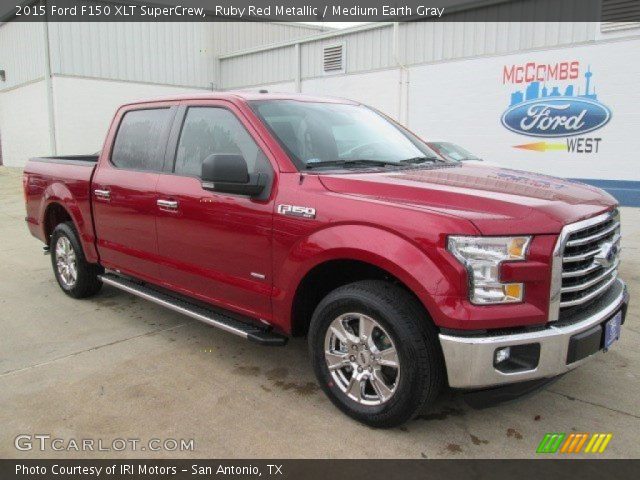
column 140, row 140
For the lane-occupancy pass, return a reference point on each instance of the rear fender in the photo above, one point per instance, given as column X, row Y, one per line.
column 59, row 193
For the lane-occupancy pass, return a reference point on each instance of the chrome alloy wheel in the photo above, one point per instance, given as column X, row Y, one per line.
column 362, row 359
column 66, row 262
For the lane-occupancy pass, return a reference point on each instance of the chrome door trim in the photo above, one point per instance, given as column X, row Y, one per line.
column 167, row 204
column 100, row 193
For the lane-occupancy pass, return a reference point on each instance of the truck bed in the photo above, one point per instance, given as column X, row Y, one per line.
column 65, row 181
column 87, row 160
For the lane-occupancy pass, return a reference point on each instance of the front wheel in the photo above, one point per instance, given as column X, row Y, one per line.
column 375, row 352
column 76, row 277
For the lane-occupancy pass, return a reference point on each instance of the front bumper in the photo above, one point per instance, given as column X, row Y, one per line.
column 470, row 359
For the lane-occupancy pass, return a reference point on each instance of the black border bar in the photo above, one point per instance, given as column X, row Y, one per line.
column 553, row 469
column 316, row 10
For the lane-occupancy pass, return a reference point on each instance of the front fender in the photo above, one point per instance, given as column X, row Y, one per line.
column 397, row 255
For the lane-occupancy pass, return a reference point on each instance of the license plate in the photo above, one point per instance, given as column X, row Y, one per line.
column 612, row 330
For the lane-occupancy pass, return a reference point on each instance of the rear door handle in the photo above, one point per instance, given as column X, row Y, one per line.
column 104, row 194
column 171, row 205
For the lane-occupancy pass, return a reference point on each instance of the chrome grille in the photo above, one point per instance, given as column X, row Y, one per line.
column 585, row 262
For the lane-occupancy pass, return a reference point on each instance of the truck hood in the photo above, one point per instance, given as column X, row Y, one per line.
column 498, row 201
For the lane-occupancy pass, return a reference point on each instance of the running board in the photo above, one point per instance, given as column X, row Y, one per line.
column 211, row 317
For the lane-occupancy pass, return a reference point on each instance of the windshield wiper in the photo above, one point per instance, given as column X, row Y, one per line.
column 347, row 163
column 422, row 159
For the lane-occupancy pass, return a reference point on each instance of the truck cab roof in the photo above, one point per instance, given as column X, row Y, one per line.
column 243, row 96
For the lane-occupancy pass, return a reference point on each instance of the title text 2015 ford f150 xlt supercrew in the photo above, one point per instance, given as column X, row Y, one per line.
column 271, row 216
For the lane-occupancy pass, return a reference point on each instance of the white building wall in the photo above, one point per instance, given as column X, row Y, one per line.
column 21, row 53
column 24, row 123
column 463, row 102
column 278, row 87
column 378, row 89
column 83, row 110
column 270, row 66
column 85, row 107
column 97, row 66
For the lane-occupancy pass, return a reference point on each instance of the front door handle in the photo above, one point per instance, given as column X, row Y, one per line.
column 103, row 194
column 171, row 205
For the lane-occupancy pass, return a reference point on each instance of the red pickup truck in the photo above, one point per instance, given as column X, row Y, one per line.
column 272, row 216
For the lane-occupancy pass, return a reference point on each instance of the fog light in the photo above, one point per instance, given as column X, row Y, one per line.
column 516, row 358
column 502, row 354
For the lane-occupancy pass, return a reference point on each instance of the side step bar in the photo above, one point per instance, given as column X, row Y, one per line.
column 211, row 317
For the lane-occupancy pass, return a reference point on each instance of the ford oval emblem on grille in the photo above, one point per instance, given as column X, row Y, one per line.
column 607, row 255
column 556, row 117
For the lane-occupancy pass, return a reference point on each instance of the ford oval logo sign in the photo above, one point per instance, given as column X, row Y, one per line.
column 556, row 117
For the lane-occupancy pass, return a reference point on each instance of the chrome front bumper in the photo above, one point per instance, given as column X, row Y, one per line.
column 469, row 359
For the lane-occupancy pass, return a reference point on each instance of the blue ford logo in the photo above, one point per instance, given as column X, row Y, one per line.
column 606, row 257
column 556, row 117
column 553, row 111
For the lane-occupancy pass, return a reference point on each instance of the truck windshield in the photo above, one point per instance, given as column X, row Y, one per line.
column 453, row 152
column 336, row 135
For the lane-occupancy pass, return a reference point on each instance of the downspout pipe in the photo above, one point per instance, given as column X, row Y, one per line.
column 49, row 91
column 403, row 107
column 298, row 79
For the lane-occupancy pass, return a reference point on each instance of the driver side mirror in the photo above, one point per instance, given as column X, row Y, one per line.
column 228, row 173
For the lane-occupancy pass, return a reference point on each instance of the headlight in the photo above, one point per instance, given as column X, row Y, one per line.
column 482, row 257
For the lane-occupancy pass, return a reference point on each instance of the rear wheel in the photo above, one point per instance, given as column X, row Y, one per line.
column 76, row 277
column 375, row 353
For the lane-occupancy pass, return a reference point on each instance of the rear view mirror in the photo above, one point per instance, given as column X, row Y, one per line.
column 228, row 173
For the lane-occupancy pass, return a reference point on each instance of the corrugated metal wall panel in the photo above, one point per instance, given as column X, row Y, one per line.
column 366, row 50
column 419, row 42
column 184, row 53
column 426, row 42
column 21, row 53
column 171, row 53
column 165, row 53
column 466, row 35
column 235, row 36
column 270, row 66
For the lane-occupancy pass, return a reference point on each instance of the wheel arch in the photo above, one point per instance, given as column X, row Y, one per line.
column 344, row 254
column 54, row 214
column 59, row 205
column 326, row 277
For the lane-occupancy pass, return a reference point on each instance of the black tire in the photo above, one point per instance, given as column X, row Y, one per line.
column 87, row 282
column 422, row 372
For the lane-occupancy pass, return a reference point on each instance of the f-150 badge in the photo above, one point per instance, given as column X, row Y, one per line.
column 297, row 211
